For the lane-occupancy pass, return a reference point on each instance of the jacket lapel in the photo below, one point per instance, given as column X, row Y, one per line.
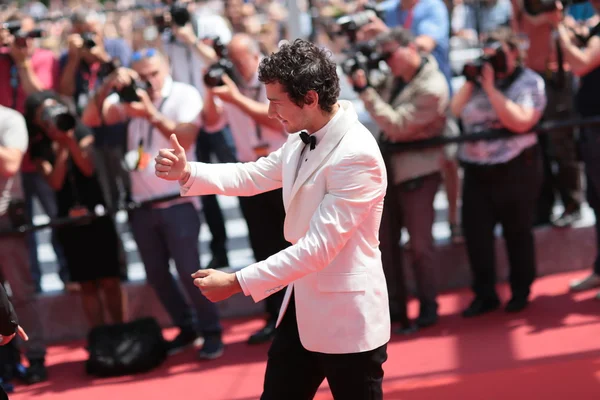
column 322, row 150
column 289, row 172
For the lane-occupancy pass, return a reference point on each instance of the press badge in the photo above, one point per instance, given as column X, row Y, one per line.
column 137, row 160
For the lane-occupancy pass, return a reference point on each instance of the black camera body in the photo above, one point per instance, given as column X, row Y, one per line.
column 364, row 57
column 497, row 60
column 178, row 14
column 59, row 116
column 350, row 24
column 536, row 7
column 224, row 66
column 128, row 93
column 88, row 40
column 14, row 28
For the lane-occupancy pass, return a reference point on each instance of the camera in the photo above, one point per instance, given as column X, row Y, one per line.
column 178, row 14
column 350, row 24
column 364, row 57
column 536, row 7
column 128, row 93
column 59, row 116
column 14, row 28
column 88, row 40
column 224, row 66
column 497, row 60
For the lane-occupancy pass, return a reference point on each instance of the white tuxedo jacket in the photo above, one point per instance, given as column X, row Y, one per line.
column 333, row 212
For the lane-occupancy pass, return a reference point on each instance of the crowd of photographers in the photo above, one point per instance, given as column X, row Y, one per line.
column 87, row 101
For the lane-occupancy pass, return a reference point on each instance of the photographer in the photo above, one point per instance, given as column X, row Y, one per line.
column 585, row 63
column 26, row 69
column 501, row 177
column 412, row 106
column 154, row 106
column 562, row 171
column 244, row 106
column 14, row 257
column 190, row 53
column 83, row 68
column 63, row 149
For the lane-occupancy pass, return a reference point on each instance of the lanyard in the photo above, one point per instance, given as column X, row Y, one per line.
column 89, row 73
column 14, row 84
column 151, row 128
column 409, row 19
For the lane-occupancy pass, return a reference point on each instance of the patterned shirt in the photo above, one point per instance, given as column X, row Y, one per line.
column 478, row 116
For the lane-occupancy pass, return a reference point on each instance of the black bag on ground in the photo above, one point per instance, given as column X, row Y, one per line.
column 124, row 349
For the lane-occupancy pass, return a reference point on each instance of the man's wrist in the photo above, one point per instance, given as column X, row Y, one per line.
column 186, row 174
column 235, row 283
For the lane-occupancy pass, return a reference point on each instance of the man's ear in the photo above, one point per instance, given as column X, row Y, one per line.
column 311, row 99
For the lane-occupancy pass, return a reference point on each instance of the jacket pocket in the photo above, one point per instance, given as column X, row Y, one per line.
column 342, row 282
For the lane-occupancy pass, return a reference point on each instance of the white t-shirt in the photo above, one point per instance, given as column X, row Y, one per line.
column 181, row 103
column 244, row 129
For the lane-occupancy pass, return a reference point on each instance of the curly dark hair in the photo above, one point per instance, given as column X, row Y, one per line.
column 300, row 67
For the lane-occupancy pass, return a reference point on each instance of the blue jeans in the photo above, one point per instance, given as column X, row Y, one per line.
column 34, row 185
column 165, row 233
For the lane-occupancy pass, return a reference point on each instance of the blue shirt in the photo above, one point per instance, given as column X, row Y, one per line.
column 430, row 17
column 581, row 11
column 116, row 49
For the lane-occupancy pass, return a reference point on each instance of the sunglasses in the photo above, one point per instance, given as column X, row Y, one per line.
column 140, row 55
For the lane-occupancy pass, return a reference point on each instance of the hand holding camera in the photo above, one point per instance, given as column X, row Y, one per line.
column 228, row 92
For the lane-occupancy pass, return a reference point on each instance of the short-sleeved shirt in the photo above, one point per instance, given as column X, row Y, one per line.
column 427, row 17
column 13, row 134
column 489, row 18
column 180, row 103
column 478, row 116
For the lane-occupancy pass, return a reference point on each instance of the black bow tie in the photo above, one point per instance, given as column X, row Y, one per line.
column 306, row 138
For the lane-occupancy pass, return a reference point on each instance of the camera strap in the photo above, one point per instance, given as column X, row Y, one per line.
column 258, row 127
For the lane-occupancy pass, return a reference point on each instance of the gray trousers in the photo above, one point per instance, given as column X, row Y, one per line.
column 14, row 267
column 410, row 206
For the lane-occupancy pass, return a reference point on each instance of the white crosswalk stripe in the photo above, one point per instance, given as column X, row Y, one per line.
column 240, row 254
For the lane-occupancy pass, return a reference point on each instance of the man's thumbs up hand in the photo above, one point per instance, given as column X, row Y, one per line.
column 171, row 164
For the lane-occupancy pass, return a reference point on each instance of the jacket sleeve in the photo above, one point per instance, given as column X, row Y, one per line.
column 8, row 317
column 235, row 179
column 407, row 121
column 350, row 198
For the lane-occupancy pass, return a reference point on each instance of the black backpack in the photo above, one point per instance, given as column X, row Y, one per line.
column 123, row 349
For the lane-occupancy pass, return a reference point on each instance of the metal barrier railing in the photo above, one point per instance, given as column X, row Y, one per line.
column 58, row 222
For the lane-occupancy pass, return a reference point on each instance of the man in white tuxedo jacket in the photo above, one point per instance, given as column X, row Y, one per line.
column 334, row 322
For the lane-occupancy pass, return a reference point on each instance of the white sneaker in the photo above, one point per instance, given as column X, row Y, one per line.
column 590, row 282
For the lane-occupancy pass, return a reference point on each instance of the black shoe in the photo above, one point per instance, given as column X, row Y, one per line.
column 516, row 304
column 263, row 335
column 428, row 315
column 481, row 306
column 218, row 263
column 213, row 348
column 185, row 338
column 36, row 372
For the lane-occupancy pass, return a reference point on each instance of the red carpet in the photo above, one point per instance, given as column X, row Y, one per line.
column 550, row 351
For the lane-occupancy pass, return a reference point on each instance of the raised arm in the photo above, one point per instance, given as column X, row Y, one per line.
column 239, row 179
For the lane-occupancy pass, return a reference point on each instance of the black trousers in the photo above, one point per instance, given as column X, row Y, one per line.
column 506, row 194
column 207, row 145
column 265, row 214
column 294, row 373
